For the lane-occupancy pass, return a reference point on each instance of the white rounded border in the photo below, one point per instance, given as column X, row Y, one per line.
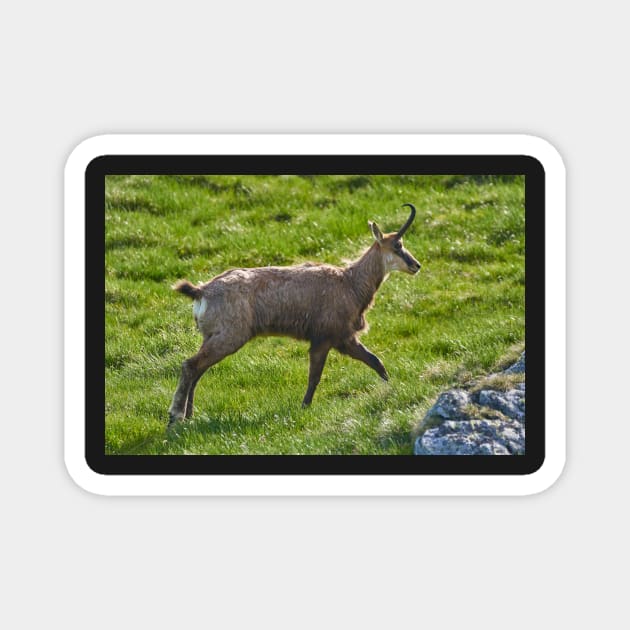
column 314, row 485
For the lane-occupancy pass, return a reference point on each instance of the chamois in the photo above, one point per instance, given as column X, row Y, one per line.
column 319, row 303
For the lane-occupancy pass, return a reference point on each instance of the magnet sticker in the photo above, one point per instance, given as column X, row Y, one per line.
column 314, row 315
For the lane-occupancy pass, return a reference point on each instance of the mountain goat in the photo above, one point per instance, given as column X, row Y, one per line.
column 319, row 303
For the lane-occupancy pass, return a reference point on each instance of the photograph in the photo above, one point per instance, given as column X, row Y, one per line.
column 296, row 314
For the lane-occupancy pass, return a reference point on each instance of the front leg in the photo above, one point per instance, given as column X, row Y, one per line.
column 355, row 349
column 317, row 354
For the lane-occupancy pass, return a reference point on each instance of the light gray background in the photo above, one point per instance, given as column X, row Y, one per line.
column 71, row 70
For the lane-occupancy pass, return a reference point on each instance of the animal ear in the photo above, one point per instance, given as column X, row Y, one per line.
column 376, row 231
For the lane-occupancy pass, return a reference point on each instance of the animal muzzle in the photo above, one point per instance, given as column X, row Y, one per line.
column 413, row 266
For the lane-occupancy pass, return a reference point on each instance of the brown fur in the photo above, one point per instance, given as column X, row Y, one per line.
column 319, row 303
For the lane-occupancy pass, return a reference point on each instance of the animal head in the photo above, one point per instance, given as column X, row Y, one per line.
column 395, row 256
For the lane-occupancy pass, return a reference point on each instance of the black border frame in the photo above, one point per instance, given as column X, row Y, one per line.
column 95, row 174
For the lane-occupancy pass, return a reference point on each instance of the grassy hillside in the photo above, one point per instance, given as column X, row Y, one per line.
column 457, row 318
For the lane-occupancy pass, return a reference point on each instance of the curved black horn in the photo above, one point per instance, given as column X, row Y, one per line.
column 409, row 221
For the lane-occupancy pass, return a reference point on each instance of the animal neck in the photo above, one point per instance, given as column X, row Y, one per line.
column 366, row 275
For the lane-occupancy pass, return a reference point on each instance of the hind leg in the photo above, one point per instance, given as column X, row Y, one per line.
column 212, row 350
column 190, row 402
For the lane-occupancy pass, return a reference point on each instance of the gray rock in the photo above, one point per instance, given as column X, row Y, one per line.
column 511, row 403
column 493, row 448
column 463, row 428
column 518, row 367
column 433, row 444
column 450, row 404
column 473, row 437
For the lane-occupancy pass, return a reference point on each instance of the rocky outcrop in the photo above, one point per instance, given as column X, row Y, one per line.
column 483, row 418
column 518, row 367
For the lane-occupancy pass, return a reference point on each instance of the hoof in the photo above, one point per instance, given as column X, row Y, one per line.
column 174, row 419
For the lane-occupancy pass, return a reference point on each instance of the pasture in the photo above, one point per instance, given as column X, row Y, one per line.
column 461, row 316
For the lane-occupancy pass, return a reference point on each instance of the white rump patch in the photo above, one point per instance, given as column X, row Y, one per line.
column 199, row 308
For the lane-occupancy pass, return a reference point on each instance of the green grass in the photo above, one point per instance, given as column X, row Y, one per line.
column 455, row 320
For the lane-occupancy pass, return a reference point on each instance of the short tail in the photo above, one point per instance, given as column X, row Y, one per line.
column 187, row 288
